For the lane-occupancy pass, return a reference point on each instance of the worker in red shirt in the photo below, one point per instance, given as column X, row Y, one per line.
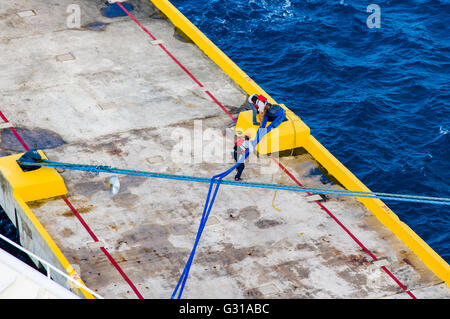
column 261, row 107
column 258, row 105
column 240, row 146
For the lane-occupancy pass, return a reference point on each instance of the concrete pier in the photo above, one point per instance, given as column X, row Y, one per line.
column 112, row 96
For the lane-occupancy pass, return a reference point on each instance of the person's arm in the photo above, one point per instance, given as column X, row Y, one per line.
column 261, row 116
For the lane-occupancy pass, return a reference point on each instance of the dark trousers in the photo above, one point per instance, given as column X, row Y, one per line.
column 239, row 169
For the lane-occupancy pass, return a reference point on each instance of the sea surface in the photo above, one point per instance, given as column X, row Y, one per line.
column 377, row 98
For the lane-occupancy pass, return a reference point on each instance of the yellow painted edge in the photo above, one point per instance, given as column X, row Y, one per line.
column 430, row 258
column 209, row 48
column 62, row 259
column 55, row 249
column 384, row 214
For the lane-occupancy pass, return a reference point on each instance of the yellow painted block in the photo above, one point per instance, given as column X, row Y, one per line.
column 288, row 135
column 39, row 184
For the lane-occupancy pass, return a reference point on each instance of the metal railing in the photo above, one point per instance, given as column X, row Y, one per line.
column 49, row 267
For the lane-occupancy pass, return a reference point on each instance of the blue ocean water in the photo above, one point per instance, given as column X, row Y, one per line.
column 377, row 98
column 8, row 230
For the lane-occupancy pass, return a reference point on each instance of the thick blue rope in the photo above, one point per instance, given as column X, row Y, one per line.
column 295, row 188
column 315, row 190
column 218, row 179
column 209, row 204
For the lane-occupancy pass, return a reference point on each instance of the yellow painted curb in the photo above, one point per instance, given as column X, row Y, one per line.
column 55, row 249
column 384, row 214
column 209, row 48
column 35, row 185
column 430, row 258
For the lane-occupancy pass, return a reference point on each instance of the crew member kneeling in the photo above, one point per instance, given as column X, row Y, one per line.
column 260, row 106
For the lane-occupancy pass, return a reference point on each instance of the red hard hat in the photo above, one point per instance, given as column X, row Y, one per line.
column 262, row 98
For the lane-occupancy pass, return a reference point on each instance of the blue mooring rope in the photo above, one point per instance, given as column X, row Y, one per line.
column 295, row 188
column 218, row 180
column 209, row 204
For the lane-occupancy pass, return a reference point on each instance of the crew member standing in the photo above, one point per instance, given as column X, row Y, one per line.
column 240, row 146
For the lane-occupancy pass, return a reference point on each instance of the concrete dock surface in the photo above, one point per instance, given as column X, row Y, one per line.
column 110, row 96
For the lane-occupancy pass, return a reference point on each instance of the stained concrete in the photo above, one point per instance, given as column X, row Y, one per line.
column 118, row 102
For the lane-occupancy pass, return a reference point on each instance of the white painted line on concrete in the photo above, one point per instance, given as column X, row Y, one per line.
column 26, row 13
column 6, row 125
column 96, row 244
column 380, row 263
column 313, row 198
column 65, row 57
column 156, row 42
column 269, row 289
column 108, row 106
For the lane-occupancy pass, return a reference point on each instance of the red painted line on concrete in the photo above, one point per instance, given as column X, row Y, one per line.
column 13, row 130
column 85, row 225
column 103, row 249
column 176, row 61
column 135, row 20
column 398, row 282
column 111, row 259
column 160, row 45
column 75, row 212
column 179, row 64
column 3, row 117
column 221, row 106
column 346, row 230
column 281, row 166
column 327, row 211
